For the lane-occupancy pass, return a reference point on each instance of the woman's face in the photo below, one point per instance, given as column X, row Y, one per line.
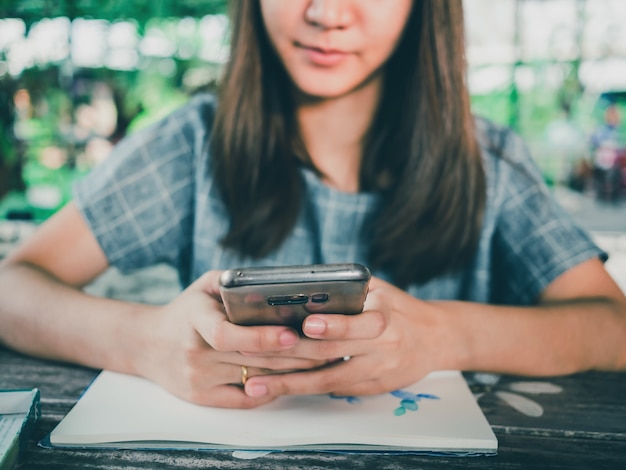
column 331, row 47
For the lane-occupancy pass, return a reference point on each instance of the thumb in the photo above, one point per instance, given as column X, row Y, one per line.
column 209, row 283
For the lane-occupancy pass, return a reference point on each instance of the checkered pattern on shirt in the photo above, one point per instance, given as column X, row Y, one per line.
column 154, row 200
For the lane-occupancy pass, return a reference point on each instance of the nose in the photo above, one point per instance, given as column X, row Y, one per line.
column 329, row 14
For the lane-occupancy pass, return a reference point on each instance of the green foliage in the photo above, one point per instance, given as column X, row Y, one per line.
column 157, row 97
column 140, row 10
column 493, row 106
column 158, row 86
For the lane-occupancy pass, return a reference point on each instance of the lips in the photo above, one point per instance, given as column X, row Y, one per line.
column 322, row 57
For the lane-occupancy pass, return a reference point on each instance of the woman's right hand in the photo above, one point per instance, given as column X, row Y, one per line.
column 188, row 346
column 193, row 351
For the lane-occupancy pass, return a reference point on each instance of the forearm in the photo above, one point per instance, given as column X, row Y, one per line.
column 43, row 317
column 550, row 339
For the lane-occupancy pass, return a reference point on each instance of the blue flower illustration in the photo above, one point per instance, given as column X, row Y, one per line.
column 350, row 399
column 409, row 401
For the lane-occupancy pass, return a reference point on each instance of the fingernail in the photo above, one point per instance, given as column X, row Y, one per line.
column 314, row 326
column 256, row 390
column 287, row 338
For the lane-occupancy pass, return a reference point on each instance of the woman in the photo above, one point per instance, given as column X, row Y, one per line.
column 343, row 133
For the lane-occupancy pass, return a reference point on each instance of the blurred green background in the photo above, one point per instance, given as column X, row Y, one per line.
column 78, row 75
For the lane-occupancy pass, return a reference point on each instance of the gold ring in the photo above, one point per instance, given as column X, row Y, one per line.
column 244, row 375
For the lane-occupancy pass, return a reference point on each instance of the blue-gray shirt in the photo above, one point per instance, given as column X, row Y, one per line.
column 155, row 200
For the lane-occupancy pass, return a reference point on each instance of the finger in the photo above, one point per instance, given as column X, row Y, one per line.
column 246, row 373
column 228, row 396
column 315, row 349
column 326, row 380
column 279, row 364
column 366, row 325
column 376, row 298
column 222, row 374
column 208, row 283
column 372, row 387
column 223, row 335
column 377, row 283
column 361, row 389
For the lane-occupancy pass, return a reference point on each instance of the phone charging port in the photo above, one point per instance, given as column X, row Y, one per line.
column 287, row 299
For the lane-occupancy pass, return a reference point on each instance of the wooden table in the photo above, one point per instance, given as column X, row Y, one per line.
column 573, row 422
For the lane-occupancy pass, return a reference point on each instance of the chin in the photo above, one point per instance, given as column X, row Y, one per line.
column 330, row 84
column 324, row 89
column 323, row 94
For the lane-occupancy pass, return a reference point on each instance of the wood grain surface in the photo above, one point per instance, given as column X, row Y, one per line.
column 582, row 426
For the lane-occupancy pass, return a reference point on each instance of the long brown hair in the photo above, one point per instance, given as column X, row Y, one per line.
column 421, row 142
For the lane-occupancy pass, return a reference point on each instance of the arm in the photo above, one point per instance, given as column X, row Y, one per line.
column 188, row 347
column 579, row 324
column 42, row 311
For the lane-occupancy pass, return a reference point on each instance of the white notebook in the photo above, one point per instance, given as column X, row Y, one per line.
column 438, row 414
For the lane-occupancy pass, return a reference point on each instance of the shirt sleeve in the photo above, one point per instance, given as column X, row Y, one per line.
column 535, row 239
column 139, row 202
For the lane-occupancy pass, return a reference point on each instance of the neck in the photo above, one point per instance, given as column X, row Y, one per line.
column 333, row 131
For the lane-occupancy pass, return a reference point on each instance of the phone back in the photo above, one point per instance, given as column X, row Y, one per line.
column 286, row 295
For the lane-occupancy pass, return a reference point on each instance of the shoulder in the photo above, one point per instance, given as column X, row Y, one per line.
column 168, row 151
column 501, row 144
column 193, row 119
column 509, row 165
column 201, row 106
column 531, row 238
column 181, row 135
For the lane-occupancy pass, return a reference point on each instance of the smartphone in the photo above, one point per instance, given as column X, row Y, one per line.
column 285, row 295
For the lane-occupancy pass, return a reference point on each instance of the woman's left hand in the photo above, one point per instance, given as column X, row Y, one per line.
column 394, row 342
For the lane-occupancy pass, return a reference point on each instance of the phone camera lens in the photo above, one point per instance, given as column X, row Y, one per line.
column 319, row 298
